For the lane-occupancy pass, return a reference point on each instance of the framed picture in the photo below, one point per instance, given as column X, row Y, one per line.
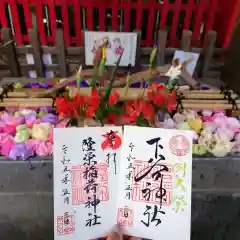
column 118, row 43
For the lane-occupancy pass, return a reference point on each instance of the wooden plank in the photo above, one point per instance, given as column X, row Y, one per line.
column 22, row 50
column 76, row 50
column 186, row 41
column 146, row 51
column 29, row 67
column 162, row 39
column 61, row 53
column 37, row 53
column 10, row 52
column 209, row 51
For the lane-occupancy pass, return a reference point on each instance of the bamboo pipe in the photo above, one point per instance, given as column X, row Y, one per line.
column 134, row 93
column 187, row 104
column 207, row 101
column 15, row 104
column 122, row 98
column 87, row 91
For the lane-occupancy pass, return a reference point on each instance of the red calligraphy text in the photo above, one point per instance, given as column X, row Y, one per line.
column 125, row 217
column 111, row 140
column 137, row 187
column 79, row 195
column 65, row 227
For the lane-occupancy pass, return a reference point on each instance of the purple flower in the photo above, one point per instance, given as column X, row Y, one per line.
column 20, row 152
column 50, row 118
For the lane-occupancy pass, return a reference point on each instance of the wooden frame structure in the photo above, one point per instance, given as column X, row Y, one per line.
column 66, row 60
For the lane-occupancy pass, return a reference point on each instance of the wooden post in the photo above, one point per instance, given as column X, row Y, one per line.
column 138, row 53
column 61, row 53
column 186, row 41
column 231, row 74
column 208, row 52
column 84, row 49
column 37, row 53
column 10, row 52
column 162, row 39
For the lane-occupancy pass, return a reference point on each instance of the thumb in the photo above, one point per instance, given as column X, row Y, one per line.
column 115, row 234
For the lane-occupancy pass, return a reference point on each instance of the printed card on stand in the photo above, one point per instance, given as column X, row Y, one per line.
column 86, row 168
column 188, row 60
column 155, row 181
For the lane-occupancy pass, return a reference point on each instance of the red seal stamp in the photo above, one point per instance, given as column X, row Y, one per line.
column 65, row 224
column 179, row 145
column 125, row 217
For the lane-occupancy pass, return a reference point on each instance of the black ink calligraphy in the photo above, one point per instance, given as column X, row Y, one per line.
column 129, row 171
column 112, row 158
column 90, row 175
column 152, row 215
column 155, row 169
column 65, row 179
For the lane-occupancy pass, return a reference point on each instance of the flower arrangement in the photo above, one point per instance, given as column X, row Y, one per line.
column 104, row 104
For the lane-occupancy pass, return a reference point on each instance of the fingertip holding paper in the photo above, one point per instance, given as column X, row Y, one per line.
column 140, row 180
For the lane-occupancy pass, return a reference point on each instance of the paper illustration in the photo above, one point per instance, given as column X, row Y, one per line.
column 117, row 44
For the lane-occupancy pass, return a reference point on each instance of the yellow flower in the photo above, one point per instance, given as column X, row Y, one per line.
column 104, row 52
column 153, row 55
column 18, row 85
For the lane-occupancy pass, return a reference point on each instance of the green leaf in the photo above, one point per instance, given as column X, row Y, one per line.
column 114, row 109
column 95, row 76
column 99, row 114
column 141, row 121
column 113, row 77
column 78, row 80
column 101, row 69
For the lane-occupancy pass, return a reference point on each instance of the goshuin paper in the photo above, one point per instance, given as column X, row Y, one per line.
column 86, row 167
column 141, row 180
column 155, row 181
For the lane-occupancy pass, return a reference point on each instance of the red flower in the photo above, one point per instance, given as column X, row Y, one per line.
column 172, row 101
column 90, row 112
column 64, row 106
column 93, row 100
column 160, row 96
column 113, row 98
column 135, row 108
column 156, row 97
column 113, row 118
column 157, row 86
